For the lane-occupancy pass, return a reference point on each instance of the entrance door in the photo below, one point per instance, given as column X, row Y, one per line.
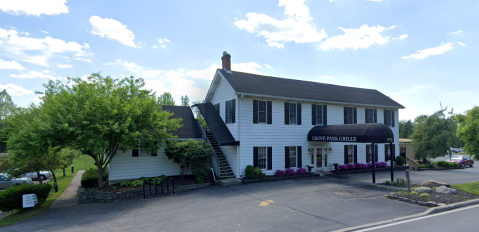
column 320, row 158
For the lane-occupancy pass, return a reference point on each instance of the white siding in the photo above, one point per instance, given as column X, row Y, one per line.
column 278, row 135
column 123, row 166
column 224, row 92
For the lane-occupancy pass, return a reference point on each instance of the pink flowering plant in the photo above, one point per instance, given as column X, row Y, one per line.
column 301, row 171
column 279, row 173
column 364, row 166
column 350, row 166
column 290, row 171
column 358, row 166
column 342, row 167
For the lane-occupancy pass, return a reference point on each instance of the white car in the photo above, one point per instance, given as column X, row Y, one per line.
column 43, row 175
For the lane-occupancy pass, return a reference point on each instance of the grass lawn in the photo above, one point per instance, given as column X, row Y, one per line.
column 472, row 187
column 63, row 181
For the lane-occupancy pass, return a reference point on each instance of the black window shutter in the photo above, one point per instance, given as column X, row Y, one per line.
column 269, row 106
column 226, row 111
column 134, row 153
column 270, row 158
column 155, row 153
column 376, row 155
column 393, row 153
column 375, row 115
column 345, row 115
column 233, row 105
column 313, row 114
column 255, row 157
column 392, row 116
column 298, row 114
column 325, row 115
column 368, row 158
column 355, row 154
column 286, row 113
column 386, row 157
column 299, row 154
column 355, row 115
column 385, row 118
column 366, row 115
column 345, row 154
column 286, row 157
column 255, row 111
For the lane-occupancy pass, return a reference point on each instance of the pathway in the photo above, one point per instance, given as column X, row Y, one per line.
column 69, row 197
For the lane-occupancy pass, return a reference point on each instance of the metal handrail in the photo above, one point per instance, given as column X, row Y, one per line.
column 215, row 164
column 413, row 162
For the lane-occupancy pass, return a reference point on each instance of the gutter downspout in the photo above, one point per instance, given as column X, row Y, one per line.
column 238, row 151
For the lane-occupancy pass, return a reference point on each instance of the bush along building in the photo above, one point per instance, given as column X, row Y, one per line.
column 277, row 123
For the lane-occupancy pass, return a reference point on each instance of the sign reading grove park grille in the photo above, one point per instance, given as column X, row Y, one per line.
column 334, row 138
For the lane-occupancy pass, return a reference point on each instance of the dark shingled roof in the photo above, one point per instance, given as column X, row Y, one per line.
column 190, row 128
column 281, row 87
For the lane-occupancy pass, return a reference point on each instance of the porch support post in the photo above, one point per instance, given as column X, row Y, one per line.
column 374, row 163
column 391, row 152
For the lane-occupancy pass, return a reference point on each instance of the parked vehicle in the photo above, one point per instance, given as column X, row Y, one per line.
column 456, row 150
column 43, row 175
column 463, row 160
column 7, row 182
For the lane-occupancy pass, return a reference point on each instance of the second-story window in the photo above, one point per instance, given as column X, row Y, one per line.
column 261, row 111
column 292, row 113
column 389, row 117
column 350, row 115
column 319, row 114
column 230, row 111
column 370, row 115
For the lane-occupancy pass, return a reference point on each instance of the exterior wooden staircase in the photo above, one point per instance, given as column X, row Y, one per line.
column 225, row 170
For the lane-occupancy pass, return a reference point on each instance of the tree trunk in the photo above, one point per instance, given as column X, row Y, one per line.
column 54, row 178
column 100, row 175
column 38, row 177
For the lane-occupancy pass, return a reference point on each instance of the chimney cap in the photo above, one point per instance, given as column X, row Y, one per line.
column 225, row 53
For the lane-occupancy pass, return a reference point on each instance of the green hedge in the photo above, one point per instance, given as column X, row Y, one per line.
column 11, row 198
column 90, row 177
column 443, row 164
column 400, row 161
column 249, row 171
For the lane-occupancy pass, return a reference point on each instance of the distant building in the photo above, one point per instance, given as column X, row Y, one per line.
column 406, row 148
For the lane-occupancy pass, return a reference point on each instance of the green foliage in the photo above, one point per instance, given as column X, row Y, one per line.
column 467, row 131
column 472, row 187
column 434, row 134
column 159, row 179
column 453, row 165
column 405, row 128
column 424, row 195
column 166, row 99
column 90, row 177
column 7, row 108
column 400, row 161
column 442, row 164
column 425, row 166
column 398, row 182
column 258, row 173
column 200, row 173
column 145, row 179
column 190, row 154
column 414, row 193
column 125, row 183
column 249, row 171
column 11, row 198
column 136, row 183
column 198, row 114
column 185, row 101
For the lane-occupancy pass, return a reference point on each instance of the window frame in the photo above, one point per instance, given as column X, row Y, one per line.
column 349, row 115
column 319, row 116
column 371, row 113
column 293, row 113
column 229, row 112
column 265, row 158
column 293, row 149
column 351, row 154
column 369, row 153
column 265, row 112
column 389, row 117
column 387, row 152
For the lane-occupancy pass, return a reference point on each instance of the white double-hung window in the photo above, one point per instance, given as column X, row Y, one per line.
column 262, row 112
column 262, row 158
column 292, row 113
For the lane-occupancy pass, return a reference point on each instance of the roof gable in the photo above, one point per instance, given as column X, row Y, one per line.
column 248, row 83
column 190, row 128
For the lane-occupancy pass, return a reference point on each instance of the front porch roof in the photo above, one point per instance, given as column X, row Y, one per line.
column 355, row 133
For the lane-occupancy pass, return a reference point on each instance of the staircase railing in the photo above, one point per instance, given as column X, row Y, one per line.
column 213, row 159
column 412, row 163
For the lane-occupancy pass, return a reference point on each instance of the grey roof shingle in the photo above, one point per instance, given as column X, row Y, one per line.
column 190, row 128
column 289, row 88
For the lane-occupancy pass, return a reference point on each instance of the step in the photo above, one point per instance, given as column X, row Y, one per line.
column 229, row 181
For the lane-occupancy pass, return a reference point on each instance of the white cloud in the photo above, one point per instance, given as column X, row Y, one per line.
column 268, row 66
column 401, row 37
column 455, row 32
column 64, row 65
column 251, row 67
column 37, row 50
column 296, row 27
column 36, row 74
column 162, row 42
column 155, row 47
column 326, row 77
column 421, row 54
column 112, row 29
column 353, row 38
column 34, row 7
column 374, row 0
column 83, row 59
column 15, row 90
column 204, row 74
column 462, row 44
column 10, row 65
column 46, row 32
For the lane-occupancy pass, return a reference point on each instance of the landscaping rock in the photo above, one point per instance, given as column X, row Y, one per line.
column 445, row 190
column 431, row 204
column 423, row 190
column 433, row 183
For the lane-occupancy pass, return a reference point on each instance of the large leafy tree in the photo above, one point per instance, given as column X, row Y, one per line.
column 101, row 115
column 166, row 99
column 405, row 128
column 468, row 131
column 433, row 134
column 7, row 107
column 185, row 101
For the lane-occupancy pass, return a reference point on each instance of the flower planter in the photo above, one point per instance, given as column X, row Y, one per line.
column 397, row 168
column 276, row 178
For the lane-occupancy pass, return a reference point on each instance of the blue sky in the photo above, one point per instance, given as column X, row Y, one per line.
column 420, row 53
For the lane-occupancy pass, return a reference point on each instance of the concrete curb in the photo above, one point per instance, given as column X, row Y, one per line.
column 434, row 210
column 380, row 186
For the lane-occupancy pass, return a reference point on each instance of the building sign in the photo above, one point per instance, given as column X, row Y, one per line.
column 334, row 138
column 29, row 200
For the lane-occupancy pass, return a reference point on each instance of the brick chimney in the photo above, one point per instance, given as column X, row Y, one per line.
column 226, row 58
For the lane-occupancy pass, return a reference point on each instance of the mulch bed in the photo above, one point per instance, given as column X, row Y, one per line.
column 438, row 197
column 275, row 178
column 401, row 186
column 186, row 180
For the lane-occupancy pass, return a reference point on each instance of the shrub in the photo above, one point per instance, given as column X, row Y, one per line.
column 90, row 177
column 454, row 165
column 443, row 164
column 350, row 166
column 136, row 183
column 159, row 179
column 145, row 179
column 11, row 198
column 398, row 182
column 358, row 166
column 343, row 167
column 249, row 171
column 125, row 183
column 301, row 171
column 424, row 195
column 414, row 193
column 364, row 166
column 189, row 154
column 200, row 173
column 370, row 165
column 384, row 164
column 258, row 173
column 425, row 166
column 279, row 173
column 400, row 161
column 289, row 171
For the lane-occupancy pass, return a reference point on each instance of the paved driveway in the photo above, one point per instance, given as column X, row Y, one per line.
column 314, row 204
